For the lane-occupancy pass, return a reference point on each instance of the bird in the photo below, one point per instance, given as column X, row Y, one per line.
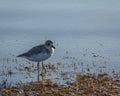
column 39, row 53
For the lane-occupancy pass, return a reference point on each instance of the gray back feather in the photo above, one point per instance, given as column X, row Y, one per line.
column 35, row 50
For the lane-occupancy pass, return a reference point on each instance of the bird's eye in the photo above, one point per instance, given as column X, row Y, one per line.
column 48, row 44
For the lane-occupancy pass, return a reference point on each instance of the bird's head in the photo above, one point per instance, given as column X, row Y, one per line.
column 49, row 43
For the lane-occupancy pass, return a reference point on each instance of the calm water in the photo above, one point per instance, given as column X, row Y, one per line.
column 82, row 28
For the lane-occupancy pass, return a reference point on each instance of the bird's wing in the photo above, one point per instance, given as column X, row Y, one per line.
column 34, row 50
column 37, row 49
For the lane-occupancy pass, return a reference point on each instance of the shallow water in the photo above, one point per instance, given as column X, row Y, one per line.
column 87, row 31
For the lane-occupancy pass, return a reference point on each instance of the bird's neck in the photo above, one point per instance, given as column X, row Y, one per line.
column 51, row 50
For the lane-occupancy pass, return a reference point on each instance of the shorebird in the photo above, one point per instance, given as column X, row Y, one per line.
column 39, row 53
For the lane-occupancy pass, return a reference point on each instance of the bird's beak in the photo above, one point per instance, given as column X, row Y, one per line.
column 53, row 46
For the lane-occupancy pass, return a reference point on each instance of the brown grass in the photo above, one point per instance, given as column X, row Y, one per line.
column 85, row 85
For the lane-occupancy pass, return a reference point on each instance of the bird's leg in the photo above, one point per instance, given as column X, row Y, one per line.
column 43, row 67
column 43, row 71
column 38, row 66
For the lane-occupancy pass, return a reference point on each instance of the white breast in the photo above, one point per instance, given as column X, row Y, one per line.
column 52, row 51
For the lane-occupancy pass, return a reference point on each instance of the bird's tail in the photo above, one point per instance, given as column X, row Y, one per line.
column 19, row 55
column 22, row 55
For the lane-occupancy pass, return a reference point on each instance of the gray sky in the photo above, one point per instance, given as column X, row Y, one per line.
column 63, row 15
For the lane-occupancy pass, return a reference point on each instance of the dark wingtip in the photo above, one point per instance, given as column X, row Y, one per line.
column 22, row 55
column 18, row 56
